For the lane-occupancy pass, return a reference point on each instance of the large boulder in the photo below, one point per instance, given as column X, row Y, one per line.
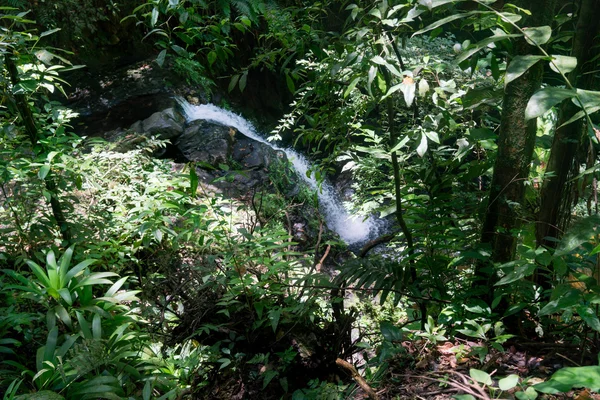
column 212, row 145
column 206, row 142
column 166, row 124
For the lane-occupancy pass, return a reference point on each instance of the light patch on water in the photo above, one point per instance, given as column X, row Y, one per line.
column 352, row 229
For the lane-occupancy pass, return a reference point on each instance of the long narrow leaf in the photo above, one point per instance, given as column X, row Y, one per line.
column 39, row 273
column 78, row 268
column 65, row 261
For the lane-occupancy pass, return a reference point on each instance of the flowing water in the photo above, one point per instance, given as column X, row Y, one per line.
column 352, row 229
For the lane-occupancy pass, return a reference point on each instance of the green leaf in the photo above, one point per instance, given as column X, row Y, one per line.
column 390, row 332
column 422, row 148
column 444, row 21
column 39, row 273
column 564, row 64
column 97, row 327
column 224, row 362
column 154, row 17
column 50, row 347
column 371, row 76
column 290, row 84
column 519, row 65
column 212, row 57
column 274, row 317
column 509, row 382
column 578, row 234
column 580, row 114
column 589, row 316
column 147, row 391
column 243, row 80
column 49, row 32
column 180, row 51
column 463, row 397
column 351, row 86
column 480, row 376
column 565, row 379
column 193, row 180
column 538, row 35
column 433, row 136
column 567, row 300
column 97, row 278
column 160, row 60
column 529, row 394
column 44, row 171
column 483, row 44
column 268, row 377
column 518, row 273
column 543, row 100
column 233, row 82
column 78, row 268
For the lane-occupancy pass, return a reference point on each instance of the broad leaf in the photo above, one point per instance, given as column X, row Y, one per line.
column 543, row 100
column 589, row 316
column 408, row 87
column 538, row 35
column 160, row 60
column 480, row 376
column 422, row 148
column 564, row 64
column 565, row 379
column 509, row 382
column 444, row 21
column 482, row 44
column 519, row 65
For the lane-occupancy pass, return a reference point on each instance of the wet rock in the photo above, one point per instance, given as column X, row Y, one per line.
column 166, row 124
column 205, row 142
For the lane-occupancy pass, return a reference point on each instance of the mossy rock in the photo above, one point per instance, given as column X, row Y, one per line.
column 43, row 395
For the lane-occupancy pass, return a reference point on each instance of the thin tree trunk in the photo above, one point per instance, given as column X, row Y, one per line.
column 32, row 133
column 567, row 138
column 515, row 150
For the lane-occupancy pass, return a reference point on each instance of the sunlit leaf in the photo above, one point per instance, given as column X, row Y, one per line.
column 351, row 86
column 543, row 100
column 564, row 64
column 480, row 376
column 509, row 382
column 565, row 379
column 538, row 35
column 519, row 65
column 422, row 148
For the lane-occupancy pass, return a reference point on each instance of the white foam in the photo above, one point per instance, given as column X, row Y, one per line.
column 352, row 229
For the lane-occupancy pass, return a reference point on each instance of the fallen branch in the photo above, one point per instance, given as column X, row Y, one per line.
column 375, row 242
column 360, row 381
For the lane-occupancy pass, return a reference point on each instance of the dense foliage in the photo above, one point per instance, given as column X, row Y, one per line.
column 469, row 128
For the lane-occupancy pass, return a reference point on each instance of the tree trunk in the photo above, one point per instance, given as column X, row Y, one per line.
column 562, row 160
column 515, row 150
column 567, row 138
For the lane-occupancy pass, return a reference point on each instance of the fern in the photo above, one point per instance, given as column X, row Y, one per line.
column 20, row 4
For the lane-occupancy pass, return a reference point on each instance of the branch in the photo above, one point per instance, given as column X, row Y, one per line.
column 375, row 242
column 360, row 381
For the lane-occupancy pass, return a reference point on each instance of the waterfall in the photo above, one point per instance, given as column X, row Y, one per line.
column 352, row 229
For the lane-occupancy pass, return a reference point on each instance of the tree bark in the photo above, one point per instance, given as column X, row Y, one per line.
column 567, row 138
column 515, row 150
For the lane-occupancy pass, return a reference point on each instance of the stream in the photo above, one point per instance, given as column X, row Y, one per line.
column 352, row 229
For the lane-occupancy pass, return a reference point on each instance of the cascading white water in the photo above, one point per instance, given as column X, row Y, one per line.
column 351, row 229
